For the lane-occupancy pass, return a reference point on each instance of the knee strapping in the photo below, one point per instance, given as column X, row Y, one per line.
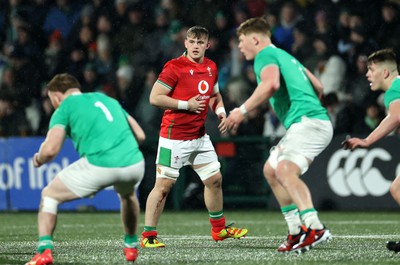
column 208, row 170
column 49, row 205
column 167, row 172
column 296, row 158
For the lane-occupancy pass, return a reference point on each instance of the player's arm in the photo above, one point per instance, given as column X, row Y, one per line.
column 159, row 98
column 316, row 84
column 50, row 147
column 387, row 125
column 269, row 84
column 137, row 130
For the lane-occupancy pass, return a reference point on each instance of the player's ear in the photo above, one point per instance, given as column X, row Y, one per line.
column 386, row 73
column 208, row 45
column 256, row 41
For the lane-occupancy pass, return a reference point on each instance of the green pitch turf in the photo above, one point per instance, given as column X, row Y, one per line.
column 96, row 238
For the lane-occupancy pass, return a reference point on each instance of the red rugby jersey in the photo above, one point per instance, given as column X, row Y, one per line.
column 187, row 79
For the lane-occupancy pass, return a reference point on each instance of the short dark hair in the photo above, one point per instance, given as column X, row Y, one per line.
column 63, row 82
column 254, row 25
column 384, row 55
column 197, row 32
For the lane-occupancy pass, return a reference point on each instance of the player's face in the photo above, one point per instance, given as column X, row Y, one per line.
column 375, row 76
column 246, row 46
column 196, row 48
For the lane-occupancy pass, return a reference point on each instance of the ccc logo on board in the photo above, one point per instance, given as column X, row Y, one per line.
column 357, row 176
column 203, row 87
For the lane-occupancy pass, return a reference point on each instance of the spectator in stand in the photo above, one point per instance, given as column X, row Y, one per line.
column 86, row 19
column 302, row 46
column 76, row 61
column 343, row 30
column 174, row 47
column 288, row 19
column 104, row 25
column 202, row 12
column 131, row 35
column 374, row 114
column 54, row 55
column 127, row 89
column 27, row 78
column 91, row 81
column 105, row 62
column 62, row 16
column 101, row 7
column 27, row 42
column 327, row 66
column 388, row 32
column 13, row 121
column 156, row 40
column 323, row 26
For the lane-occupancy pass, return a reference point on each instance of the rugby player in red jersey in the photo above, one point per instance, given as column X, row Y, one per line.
column 185, row 88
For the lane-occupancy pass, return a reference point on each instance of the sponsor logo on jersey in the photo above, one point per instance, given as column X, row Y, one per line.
column 203, row 86
column 191, row 71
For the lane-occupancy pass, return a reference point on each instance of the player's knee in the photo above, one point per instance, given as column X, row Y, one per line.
column 269, row 173
column 214, row 182
column 49, row 205
column 163, row 186
column 209, row 170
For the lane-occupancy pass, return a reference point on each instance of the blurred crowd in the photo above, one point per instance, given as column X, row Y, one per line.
column 118, row 47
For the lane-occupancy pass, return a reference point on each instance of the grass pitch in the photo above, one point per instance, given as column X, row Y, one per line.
column 96, row 238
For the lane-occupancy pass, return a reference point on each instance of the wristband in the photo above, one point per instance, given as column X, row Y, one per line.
column 243, row 110
column 182, row 104
column 220, row 110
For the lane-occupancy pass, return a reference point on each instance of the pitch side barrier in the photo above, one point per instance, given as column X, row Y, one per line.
column 338, row 179
column 21, row 183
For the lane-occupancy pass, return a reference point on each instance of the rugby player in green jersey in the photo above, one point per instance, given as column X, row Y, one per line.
column 106, row 138
column 293, row 93
column 383, row 74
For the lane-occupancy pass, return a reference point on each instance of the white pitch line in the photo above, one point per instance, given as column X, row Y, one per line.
column 396, row 236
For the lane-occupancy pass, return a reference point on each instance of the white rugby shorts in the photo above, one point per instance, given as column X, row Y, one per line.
column 85, row 179
column 179, row 153
column 303, row 141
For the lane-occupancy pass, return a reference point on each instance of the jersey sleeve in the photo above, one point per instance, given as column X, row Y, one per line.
column 390, row 96
column 59, row 118
column 168, row 76
column 264, row 59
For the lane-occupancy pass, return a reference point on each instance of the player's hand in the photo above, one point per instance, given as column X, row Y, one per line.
column 222, row 125
column 196, row 105
column 234, row 119
column 353, row 143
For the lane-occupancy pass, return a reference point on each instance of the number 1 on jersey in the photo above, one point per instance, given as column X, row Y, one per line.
column 100, row 105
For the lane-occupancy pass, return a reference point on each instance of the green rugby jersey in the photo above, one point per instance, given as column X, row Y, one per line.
column 393, row 93
column 99, row 129
column 295, row 97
